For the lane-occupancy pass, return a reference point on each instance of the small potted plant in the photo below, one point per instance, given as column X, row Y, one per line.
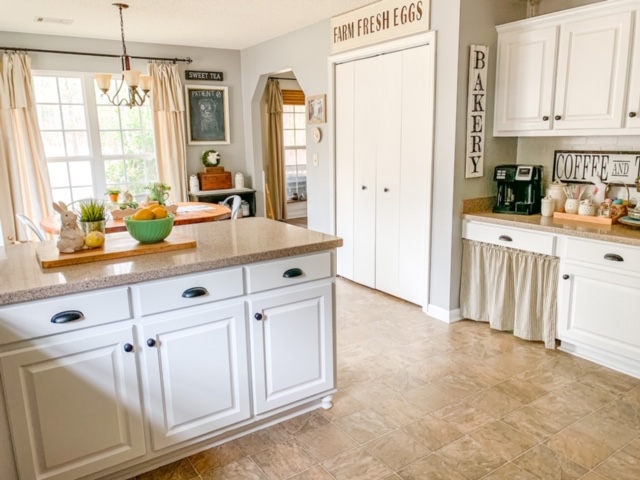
column 113, row 193
column 210, row 160
column 91, row 215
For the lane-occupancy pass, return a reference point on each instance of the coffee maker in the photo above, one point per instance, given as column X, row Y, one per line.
column 519, row 189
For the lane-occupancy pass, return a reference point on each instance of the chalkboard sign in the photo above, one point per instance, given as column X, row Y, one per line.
column 200, row 75
column 589, row 167
column 207, row 115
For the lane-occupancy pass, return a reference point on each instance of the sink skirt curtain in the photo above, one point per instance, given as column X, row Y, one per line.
column 511, row 289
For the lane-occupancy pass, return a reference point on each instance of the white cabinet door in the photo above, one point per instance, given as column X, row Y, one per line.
column 389, row 153
column 346, row 189
column 74, row 407
column 525, row 80
column 592, row 72
column 599, row 308
column 291, row 345
column 365, row 136
column 633, row 100
column 197, row 372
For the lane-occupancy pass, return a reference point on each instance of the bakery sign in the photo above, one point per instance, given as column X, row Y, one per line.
column 593, row 167
column 378, row 22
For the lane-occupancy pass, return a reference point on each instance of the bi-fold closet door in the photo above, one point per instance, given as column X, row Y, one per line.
column 383, row 170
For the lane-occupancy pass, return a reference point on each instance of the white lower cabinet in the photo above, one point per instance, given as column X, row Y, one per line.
column 74, row 405
column 291, row 345
column 598, row 303
column 198, row 378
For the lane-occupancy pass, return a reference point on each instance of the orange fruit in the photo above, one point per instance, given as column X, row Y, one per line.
column 159, row 212
column 144, row 214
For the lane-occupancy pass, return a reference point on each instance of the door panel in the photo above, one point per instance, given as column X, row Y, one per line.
column 345, row 190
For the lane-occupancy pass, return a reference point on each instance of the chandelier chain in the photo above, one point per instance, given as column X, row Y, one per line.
column 124, row 46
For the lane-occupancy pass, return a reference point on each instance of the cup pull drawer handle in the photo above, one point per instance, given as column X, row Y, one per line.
column 194, row 292
column 614, row 257
column 67, row 316
column 505, row 238
column 292, row 273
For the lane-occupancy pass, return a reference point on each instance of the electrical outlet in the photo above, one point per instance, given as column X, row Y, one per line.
column 316, row 159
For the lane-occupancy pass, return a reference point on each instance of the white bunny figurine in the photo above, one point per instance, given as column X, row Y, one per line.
column 71, row 237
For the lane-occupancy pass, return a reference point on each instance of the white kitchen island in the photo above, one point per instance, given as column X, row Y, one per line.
column 113, row 368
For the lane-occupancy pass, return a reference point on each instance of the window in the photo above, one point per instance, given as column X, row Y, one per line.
column 295, row 150
column 90, row 144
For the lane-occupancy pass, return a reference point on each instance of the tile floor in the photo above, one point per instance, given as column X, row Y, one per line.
column 419, row 399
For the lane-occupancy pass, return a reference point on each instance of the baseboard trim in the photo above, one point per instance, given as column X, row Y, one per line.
column 446, row 316
column 606, row 359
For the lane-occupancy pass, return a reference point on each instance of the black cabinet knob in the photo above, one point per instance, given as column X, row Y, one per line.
column 258, row 316
column 558, row 117
column 545, row 118
column 128, row 347
column 632, row 114
column 565, row 277
column 151, row 342
column 386, row 190
column 364, row 187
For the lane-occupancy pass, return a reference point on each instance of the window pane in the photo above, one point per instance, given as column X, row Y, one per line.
column 61, row 194
column 108, row 118
column 114, row 171
column 287, row 121
column 49, row 117
column 73, row 116
column 111, row 143
column 71, row 90
column 289, row 138
column 300, row 120
column 83, row 192
column 80, row 173
column 287, row 108
column 138, row 142
column 301, row 137
column 46, row 89
column 58, row 174
column 302, row 156
column 289, row 157
column 77, row 144
column 300, row 109
column 146, row 119
column 130, row 118
column 53, row 144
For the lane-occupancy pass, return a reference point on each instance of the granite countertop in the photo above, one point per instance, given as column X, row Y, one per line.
column 617, row 233
column 219, row 244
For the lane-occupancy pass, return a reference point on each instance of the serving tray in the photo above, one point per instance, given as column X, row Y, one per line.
column 627, row 220
column 116, row 245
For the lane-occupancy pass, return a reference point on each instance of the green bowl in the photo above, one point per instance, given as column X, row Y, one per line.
column 149, row 231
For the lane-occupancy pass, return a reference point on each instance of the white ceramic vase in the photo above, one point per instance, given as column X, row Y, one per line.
column 572, row 205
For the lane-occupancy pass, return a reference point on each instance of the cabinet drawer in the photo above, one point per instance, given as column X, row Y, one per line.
column 511, row 237
column 291, row 271
column 187, row 290
column 35, row 319
column 605, row 254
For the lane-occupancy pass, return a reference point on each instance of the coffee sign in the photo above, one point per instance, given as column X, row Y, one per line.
column 593, row 167
column 380, row 21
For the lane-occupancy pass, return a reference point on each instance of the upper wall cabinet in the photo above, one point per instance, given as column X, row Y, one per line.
column 568, row 73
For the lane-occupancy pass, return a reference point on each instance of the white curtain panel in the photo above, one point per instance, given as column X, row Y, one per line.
column 167, row 101
column 511, row 289
column 24, row 177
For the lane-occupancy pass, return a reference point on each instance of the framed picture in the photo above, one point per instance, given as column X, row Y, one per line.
column 316, row 109
column 207, row 115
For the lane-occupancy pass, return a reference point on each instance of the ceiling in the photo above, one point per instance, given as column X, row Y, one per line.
column 232, row 24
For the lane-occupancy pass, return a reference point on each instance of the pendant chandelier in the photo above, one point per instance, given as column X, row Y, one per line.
column 138, row 85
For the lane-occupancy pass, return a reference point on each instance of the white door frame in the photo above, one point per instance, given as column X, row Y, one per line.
column 427, row 38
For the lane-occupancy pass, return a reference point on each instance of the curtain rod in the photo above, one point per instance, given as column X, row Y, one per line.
column 109, row 55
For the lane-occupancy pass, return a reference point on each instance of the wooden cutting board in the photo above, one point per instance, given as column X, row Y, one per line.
column 116, row 245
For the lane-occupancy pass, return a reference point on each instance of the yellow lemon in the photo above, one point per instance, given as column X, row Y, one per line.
column 159, row 212
column 144, row 214
column 94, row 239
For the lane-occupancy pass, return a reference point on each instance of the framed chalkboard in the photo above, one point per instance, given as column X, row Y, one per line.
column 207, row 115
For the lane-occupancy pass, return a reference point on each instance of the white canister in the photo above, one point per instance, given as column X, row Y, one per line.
column 555, row 190
column 239, row 180
column 246, row 210
column 194, row 185
column 547, row 206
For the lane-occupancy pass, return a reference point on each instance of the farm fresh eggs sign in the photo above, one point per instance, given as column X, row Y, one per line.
column 378, row 22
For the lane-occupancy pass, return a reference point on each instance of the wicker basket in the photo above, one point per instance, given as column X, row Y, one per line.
column 616, row 183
